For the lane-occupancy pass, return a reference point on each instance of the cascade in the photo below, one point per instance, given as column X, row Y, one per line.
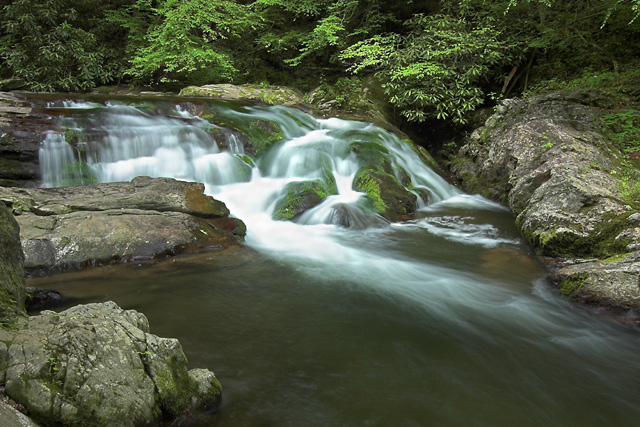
column 350, row 319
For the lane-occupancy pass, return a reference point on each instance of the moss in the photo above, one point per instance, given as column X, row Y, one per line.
column 175, row 387
column 600, row 242
column 300, row 197
column 367, row 183
column 71, row 136
column 260, row 134
column 571, row 284
column 390, row 199
column 246, row 159
column 617, row 258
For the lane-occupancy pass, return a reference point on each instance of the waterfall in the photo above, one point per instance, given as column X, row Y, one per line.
column 444, row 311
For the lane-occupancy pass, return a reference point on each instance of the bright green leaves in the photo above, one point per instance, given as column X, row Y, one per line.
column 52, row 44
column 435, row 70
column 189, row 42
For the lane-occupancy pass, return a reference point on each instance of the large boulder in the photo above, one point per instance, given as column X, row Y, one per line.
column 71, row 227
column 97, row 364
column 12, row 284
column 547, row 158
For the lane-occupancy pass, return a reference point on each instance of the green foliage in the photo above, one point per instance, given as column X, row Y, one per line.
column 187, row 41
column 629, row 186
column 624, row 126
column 436, row 70
column 56, row 45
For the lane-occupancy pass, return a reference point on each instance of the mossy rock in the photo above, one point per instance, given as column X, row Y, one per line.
column 390, row 199
column 256, row 135
column 299, row 197
column 601, row 242
column 570, row 284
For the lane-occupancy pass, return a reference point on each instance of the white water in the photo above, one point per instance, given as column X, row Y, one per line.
column 429, row 266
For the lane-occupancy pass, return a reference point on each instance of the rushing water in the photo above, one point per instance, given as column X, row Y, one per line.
column 439, row 321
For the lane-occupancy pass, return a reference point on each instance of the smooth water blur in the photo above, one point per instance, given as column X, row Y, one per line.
column 443, row 320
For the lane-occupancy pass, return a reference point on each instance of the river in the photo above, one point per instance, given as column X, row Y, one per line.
column 441, row 320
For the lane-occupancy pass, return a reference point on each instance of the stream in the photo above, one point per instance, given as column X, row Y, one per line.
column 441, row 320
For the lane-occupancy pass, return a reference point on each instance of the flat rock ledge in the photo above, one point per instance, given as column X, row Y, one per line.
column 548, row 159
column 97, row 364
column 272, row 95
column 72, row 227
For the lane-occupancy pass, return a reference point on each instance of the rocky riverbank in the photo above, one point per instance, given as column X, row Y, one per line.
column 94, row 364
column 549, row 159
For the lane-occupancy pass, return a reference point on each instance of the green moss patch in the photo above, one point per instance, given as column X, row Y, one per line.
column 573, row 283
column 390, row 199
column 300, row 196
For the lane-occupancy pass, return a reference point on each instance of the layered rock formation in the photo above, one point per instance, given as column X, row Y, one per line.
column 72, row 227
column 12, row 284
column 20, row 136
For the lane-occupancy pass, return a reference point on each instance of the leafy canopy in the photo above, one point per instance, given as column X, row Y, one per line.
column 436, row 69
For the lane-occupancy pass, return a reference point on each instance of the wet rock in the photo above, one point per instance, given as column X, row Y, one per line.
column 21, row 131
column 390, row 198
column 72, row 227
column 97, row 364
column 547, row 159
column 613, row 283
column 350, row 216
column 299, row 197
column 12, row 284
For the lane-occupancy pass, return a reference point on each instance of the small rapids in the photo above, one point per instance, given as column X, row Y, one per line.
column 342, row 317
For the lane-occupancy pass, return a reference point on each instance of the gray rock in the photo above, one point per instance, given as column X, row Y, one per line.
column 273, row 95
column 71, row 227
column 11, row 417
column 97, row 364
column 12, row 284
column 614, row 284
column 21, row 132
column 12, row 83
column 548, row 160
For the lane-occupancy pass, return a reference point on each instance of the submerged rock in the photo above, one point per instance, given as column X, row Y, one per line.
column 97, row 364
column 549, row 161
column 71, row 227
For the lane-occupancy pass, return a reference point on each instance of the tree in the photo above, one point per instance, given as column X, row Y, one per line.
column 56, row 44
column 189, row 41
column 436, row 69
